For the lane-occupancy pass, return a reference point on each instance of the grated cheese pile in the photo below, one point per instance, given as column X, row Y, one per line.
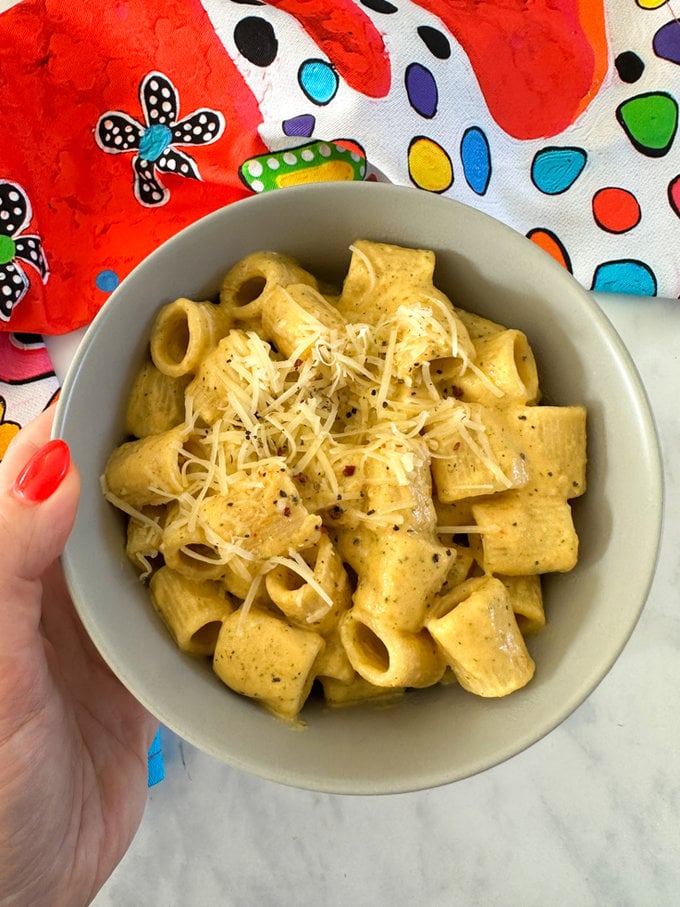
column 346, row 397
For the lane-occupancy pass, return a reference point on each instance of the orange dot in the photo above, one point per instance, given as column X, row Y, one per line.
column 550, row 243
column 616, row 210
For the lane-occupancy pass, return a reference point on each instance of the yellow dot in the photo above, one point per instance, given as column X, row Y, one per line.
column 651, row 4
column 329, row 171
column 429, row 166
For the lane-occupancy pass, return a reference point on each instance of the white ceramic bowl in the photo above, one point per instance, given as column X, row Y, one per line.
column 437, row 735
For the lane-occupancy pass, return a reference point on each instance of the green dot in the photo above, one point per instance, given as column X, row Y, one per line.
column 650, row 121
column 7, row 249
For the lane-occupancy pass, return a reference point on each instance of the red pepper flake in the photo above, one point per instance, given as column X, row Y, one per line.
column 301, row 478
column 297, row 363
column 349, row 470
column 457, row 391
column 456, row 446
column 286, row 511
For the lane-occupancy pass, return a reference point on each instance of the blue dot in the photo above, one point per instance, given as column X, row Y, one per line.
column 476, row 159
column 318, row 80
column 625, row 276
column 554, row 170
column 107, row 281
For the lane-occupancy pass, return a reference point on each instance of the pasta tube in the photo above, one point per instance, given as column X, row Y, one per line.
column 147, row 471
column 316, row 601
column 192, row 611
column 263, row 657
column 156, row 402
column 183, row 334
column 249, row 281
column 481, row 641
column 388, row 657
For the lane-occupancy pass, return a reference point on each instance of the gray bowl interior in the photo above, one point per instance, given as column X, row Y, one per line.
column 438, row 735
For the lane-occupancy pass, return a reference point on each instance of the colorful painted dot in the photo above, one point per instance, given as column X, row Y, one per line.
column 616, row 210
column 475, row 156
column 625, row 276
column 650, row 121
column 629, row 66
column 379, row 6
column 435, row 41
column 314, row 162
column 7, row 249
column 651, row 4
column 302, row 125
column 256, row 41
column 554, row 170
column 429, row 165
column 318, row 80
column 107, row 281
column 666, row 41
column 552, row 244
column 421, row 90
column 674, row 194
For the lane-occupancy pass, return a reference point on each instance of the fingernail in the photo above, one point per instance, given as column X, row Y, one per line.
column 44, row 472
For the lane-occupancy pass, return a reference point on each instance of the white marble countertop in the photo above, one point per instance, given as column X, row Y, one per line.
column 590, row 815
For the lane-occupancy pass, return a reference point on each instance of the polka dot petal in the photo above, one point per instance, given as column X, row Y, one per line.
column 200, row 128
column 13, row 287
column 15, row 209
column 159, row 99
column 148, row 191
column 174, row 161
column 29, row 249
column 117, row 132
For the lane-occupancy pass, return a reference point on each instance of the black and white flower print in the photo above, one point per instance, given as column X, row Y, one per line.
column 155, row 139
column 17, row 248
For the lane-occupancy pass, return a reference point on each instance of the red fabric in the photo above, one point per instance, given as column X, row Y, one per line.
column 59, row 73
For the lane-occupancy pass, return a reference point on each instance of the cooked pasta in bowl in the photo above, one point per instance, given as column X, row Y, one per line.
column 362, row 503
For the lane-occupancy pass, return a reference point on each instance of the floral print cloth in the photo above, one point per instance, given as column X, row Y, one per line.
column 126, row 120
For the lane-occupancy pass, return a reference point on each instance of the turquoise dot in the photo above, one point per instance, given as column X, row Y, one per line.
column 107, row 281
column 318, row 80
column 625, row 276
column 475, row 156
column 554, row 170
column 154, row 142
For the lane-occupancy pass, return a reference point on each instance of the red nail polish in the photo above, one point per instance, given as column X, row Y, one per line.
column 44, row 472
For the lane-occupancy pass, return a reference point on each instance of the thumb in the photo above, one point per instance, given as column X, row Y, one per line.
column 39, row 490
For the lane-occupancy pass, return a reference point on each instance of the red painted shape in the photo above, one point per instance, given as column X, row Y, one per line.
column 616, row 210
column 538, row 64
column 66, row 64
column 348, row 37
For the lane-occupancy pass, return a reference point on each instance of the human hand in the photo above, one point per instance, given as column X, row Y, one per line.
column 73, row 741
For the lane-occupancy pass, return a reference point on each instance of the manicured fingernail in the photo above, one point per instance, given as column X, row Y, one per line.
column 44, row 472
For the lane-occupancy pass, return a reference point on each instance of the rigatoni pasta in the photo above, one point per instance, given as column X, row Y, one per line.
column 350, row 489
